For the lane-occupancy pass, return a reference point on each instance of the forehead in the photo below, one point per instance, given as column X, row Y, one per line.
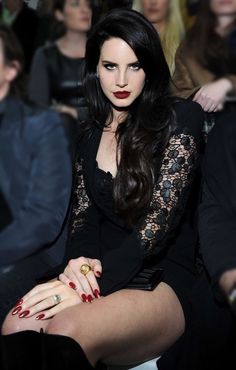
column 116, row 49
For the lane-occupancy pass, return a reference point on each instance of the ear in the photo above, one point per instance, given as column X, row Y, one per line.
column 59, row 15
column 12, row 70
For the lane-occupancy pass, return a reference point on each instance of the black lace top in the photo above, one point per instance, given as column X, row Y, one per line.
column 98, row 232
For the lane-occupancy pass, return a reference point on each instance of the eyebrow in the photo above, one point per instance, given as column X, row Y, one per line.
column 115, row 64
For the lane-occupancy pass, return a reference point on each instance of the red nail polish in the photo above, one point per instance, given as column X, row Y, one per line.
column 40, row 316
column 19, row 302
column 24, row 313
column 98, row 273
column 72, row 285
column 84, row 298
column 16, row 310
column 96, row 293
column 89, row 298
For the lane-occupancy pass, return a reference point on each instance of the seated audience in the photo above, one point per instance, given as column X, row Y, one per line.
column 24, row 22
column 206, row 60
column 56, row 72
column 35, row 182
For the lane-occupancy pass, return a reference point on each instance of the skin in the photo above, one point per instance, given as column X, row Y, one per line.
column 212, row 96
column 156, row 11
column 8, row 73
column 94, row 324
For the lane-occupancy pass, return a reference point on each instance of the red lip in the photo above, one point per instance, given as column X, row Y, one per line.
column 121, row 94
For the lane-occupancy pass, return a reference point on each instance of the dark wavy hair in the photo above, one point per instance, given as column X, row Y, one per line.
column 144, row 133
column 210, row 49
column 12, row 52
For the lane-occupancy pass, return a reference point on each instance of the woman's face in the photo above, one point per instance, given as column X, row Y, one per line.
column 76, row 15
column 223, row 7
column 121, row 77
column 155, row 10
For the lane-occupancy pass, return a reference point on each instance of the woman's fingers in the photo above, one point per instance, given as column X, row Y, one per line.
column 85, row 283
column 78, row 288
column 46, row 300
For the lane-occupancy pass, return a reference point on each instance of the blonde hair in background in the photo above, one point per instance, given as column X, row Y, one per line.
column 173, row 33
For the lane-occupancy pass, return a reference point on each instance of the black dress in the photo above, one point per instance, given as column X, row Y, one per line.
column 57, row 78
column 98, row 232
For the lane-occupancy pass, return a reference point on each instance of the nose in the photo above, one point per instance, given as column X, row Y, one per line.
column 122, row 79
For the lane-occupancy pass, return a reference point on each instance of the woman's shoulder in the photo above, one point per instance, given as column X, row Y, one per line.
column 189, row 118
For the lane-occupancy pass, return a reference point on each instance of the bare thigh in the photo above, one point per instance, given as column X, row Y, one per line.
column 125, row 327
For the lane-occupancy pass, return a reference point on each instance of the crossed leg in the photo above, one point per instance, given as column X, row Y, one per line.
column 125, row 327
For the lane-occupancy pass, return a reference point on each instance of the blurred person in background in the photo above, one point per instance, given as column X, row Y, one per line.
column 166, row 17
column 56, row 72
column 35, row 181
column 206, row 60
column 24, row 22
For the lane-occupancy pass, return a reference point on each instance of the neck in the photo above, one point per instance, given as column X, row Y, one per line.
column 223, row 23
column 118, row 117
column 73, row 43
column 160, row 27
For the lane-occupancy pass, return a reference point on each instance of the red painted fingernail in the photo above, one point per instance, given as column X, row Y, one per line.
column 19, row 302
column 72, row 285
column 96, row 293
column 24, row 313
column 98, row 273
column 84, row 297
column 16, row 310
column 40, row 316
column 89, row 298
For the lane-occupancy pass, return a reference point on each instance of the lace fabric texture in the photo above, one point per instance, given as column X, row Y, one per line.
column 170, row 191
column 169, row 195
column 80, row 199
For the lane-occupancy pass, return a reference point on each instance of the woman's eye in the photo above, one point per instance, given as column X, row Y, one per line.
column 110, row 66
column 135, row 66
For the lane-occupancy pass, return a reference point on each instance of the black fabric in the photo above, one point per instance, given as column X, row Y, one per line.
column 218, row 208
column 5, row 212
column 57, row 79
column 39, row 351
column 100, row 233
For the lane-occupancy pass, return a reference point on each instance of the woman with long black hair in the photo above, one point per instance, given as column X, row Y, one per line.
column 136, row 161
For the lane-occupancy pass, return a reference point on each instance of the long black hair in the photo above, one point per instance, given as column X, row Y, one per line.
column 145, row 131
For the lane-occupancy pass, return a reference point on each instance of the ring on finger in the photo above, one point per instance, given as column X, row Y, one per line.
column 85, row 269
column 56, row 299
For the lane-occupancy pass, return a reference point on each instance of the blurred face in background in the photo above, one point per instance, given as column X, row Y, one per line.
column 156, row 10
column 8, row 72
column 223, row 7
column 76, row 15
column 13, row 5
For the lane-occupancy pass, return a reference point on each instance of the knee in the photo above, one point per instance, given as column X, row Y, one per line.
column 11, row 325
column 61, row 324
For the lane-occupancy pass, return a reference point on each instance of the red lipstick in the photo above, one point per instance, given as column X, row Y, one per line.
column 121, row 94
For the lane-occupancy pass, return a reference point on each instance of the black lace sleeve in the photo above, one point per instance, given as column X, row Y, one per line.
column 170, row 191
column 80, row 199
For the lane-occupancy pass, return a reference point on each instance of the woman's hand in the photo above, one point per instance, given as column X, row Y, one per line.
column 212, row 95
column 46, row 300
column 86, row 285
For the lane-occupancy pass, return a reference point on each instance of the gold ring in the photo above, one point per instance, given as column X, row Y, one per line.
column 85, row 268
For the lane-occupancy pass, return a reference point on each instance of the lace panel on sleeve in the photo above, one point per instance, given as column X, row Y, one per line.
column 170, row 191
column 80, row 200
